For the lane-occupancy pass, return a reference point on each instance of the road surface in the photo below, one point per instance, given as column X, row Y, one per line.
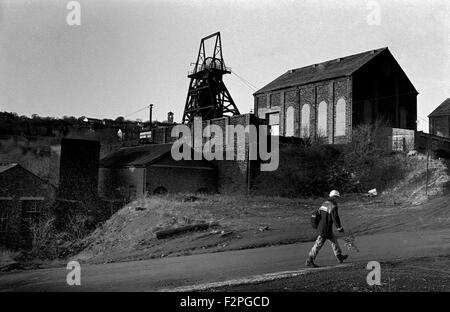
column 172, row 272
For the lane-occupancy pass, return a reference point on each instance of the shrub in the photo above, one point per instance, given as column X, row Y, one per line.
column 303, row 170
column 59, row 231
column 313, row 169
column 368, row 161
column 42, row 234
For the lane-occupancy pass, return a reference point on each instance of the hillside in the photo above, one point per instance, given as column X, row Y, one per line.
column 412, row 187
column 246, row 222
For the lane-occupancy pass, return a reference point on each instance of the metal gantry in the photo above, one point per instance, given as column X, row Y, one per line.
column 208, row 96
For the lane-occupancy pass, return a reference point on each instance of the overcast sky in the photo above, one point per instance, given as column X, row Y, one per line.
column 130, row 53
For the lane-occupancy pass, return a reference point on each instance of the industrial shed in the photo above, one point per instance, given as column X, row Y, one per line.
column 23, row 198
column 133, row 172
column 327, row 100
column 440, row 120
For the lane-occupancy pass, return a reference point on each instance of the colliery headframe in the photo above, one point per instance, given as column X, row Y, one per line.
column 208, row 96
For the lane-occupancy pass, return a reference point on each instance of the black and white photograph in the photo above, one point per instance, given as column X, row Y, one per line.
column 225, row 151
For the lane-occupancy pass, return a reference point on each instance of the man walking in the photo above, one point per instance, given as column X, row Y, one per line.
column 328, row 216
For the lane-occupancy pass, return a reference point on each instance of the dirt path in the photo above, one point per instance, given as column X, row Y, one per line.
column 167, row 273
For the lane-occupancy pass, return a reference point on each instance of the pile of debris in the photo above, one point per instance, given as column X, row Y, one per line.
column 147, row 219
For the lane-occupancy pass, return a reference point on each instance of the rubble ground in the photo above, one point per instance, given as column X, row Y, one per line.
column 239, row 222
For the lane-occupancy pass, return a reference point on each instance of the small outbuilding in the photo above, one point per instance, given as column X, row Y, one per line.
column 24, row 197
column 132, row 172
column 439, row 120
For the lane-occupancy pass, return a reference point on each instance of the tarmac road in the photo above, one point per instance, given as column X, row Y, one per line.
column 168, row 273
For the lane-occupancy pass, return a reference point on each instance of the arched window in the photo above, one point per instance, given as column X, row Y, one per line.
column 341, row 116
column 322, row 119
column 289, row 122
column 305, row 121
column 160, row 190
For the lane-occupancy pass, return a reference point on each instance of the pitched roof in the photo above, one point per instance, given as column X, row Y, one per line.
column 135, row 156
column 5, row 167
column 340, row 67
column 442, row 110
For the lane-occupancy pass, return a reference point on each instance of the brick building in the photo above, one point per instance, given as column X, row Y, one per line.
column 233, row 176
column 328, row 99
column 132, row 172
column 23, row 198
column 439, row 120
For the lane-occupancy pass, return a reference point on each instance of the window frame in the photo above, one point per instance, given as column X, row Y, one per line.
column 319, row 119
column 273, row 125
column 302, row 121
column 291, row 124
column 341, row 130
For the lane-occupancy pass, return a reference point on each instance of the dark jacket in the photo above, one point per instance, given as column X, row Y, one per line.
column 328, row 216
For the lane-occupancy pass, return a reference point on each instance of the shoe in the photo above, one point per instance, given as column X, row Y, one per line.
column 310, row 263
column 341, row 258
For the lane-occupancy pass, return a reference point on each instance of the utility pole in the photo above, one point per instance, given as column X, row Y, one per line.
column 249, row 172
column 150, row 116
column 428, row 157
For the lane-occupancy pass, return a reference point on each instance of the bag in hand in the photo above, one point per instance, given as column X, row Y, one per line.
column 315, row 219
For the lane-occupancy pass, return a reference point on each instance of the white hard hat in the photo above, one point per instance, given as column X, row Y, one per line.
column 334, row 193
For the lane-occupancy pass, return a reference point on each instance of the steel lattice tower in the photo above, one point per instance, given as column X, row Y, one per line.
column 208, row 96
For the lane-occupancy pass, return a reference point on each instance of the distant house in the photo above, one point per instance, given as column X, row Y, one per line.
column 132, row 172
column 23, row 198
column 439, row 120
column 329, row 99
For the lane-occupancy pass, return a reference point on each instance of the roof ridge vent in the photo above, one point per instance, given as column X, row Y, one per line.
column 314, row 65
column 339, row 59
column 373, row 51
